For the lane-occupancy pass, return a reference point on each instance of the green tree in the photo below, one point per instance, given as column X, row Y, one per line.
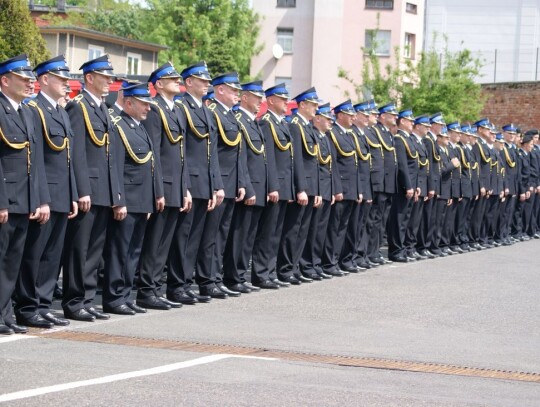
column 18, row 33
column 221, row 32
column 441, row 80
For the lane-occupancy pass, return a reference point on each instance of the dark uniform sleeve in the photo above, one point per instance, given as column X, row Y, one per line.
column 273, row 183
column 404, row 181
column 298, row 164
column 80, row 166
column 39, row 158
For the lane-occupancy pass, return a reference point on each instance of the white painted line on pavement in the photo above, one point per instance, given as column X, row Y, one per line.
column 13, row 338
column 121, row 376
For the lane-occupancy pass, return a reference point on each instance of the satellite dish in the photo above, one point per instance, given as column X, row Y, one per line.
column 277, row 51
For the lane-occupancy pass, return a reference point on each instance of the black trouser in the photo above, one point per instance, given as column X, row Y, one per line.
column 83, row 249
column 244, row 226
column 184, row 248
column 449, row 225
column 526, row 215
column 462, row 224
column 438, row 213
column 400, row 213
column 124, row 243
column 477, row 219
column 337, row 229
column 363, row 238
column 490, row 217
column 12, row 239
column 155, row 250
column 310, row 261
column 425, row 231
column 39, row 267
column 352, row 238
column 376, row 222
column 413, row 226
column 507, row 216
column 267, row 239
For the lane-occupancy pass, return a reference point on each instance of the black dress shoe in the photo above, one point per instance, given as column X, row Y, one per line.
column 55, row 320
column 280, row 283
column 228, row 291
column 239, row 288
column 291, row 280
column 153, row 302
column 97, row 314
column 267, row 285
column 386, row 261
column 138, row 309
column 304, row 279
column 364, row 265
column 5, row 330
column 313, row 276
column 373, row 264
column 18, row 329
column 171, row 303
column 351, row 269
column 325, row 276
column 199, row 297
column 121, row 309
column 426, row 253
column 400, row 259
column 335, row 273
column 251, row 286
column 213, row 292
column 182, row 298
column 80, row 315
column 35, row 321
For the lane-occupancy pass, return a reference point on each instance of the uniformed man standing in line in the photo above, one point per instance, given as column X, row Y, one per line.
column 407, row 176
column 166, row 124
column 261, row 190
column 23, row 193
column 232, row 165
column 44, row 243
column 98, row 187
column 348, row 190
column 509, row 153
column 527, row 184
column 311, row 263
column 291, row 188
column 206, row 186
column 142, row 188
column 383, row 192
column 298, row 216
column 534, row 230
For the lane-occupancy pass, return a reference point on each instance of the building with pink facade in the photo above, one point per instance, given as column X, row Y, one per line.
column 318, row 37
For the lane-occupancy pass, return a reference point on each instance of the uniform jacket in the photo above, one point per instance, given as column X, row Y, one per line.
column 407, row 161
column 377, row 160
column 509, row 155
column 54, row 129
column 303, row 135
column 168, row 139
column 23, row 184
column 95, row 166
column 434, row 178
column 141, row 181
column 232, row 158
column 201, row 152
column 453, row 152
column 446, row 167
column 364, row 162
column 466, row 170
column 347, row 162
column 386, row 139
column 423, row 165
column 483, row 154
column 525, row 171
column 327, row 165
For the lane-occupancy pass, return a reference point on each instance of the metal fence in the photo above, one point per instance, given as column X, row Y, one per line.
column 506, row 65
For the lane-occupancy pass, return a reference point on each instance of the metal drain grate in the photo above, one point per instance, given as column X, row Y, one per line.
column 372, row 363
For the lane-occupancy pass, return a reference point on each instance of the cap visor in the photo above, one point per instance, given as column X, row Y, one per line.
column 61, row 74
column 204, row 77
column 259, row 94
column 106, row 72
column 24, row 74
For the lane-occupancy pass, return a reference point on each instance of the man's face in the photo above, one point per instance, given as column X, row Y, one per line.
column 345, row 120
column 197, row 87
column 527, row 146
column 136, row 108
column 170, row 86
column 277, row 104
column 308, row 109
column 17, row 87
column 55, row 86
column 388, row 119
column 227, row 95
column 373, row 117
column 406, row 124
column 361, row 120
column 443, row 141
column 251, row 102
column 454, row 136
column 421, row 130
column 99, row 83
column 536, row 137
column 509, row 137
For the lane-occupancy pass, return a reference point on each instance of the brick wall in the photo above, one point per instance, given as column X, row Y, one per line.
column 513, row 102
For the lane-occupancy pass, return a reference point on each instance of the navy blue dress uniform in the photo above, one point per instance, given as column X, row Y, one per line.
column 298, row 217
column 166, row 125
column 204, row 180
column 427, row 224
column 44, row 243
column 384, row 190
column 422, row 177
column 141, row 187
column 310, row 263
column 443, row 196
column 407, row 175
column 232, row 165
column 97, row 176
column 533, row 229
column 464, row 206
column 448, row 238
column 348, row 183
column 527, row 185
column 280, row 149
column 247, row 223
column 21, row 187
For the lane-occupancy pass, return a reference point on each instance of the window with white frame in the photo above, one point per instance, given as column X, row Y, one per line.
column 95, row 51
column 285, row 39
column 286, row 3
column 378, row 41
column 411, row 8
column 133, row 63
column 409, row 45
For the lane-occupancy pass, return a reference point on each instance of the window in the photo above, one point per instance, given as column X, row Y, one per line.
column 133, row 63
column 380, row 4
column 285, row 39
column 411, row 8
column 284, row 79
column 378, row 42
column 95, row 51
column 286, row 3
column 409, row 45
